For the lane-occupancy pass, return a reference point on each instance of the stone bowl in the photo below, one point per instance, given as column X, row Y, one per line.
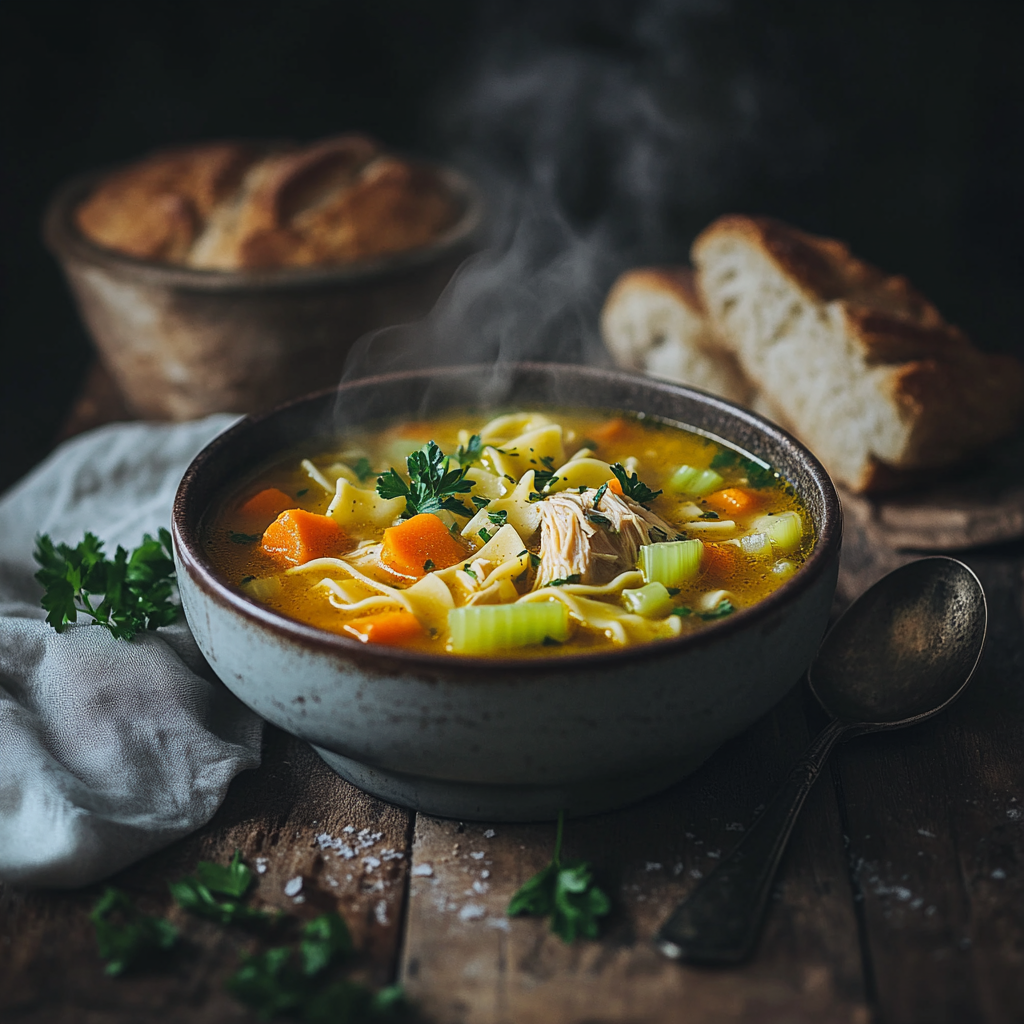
column 508, row 738
column 181, row 343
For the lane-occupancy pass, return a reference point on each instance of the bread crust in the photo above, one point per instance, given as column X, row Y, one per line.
column 874, row 334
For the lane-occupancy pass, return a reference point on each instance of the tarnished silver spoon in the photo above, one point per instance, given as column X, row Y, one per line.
column 900, row 654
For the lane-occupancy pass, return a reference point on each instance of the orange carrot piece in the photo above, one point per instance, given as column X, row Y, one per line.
column 385, row 628
column 298, row 536
column 614, row 486
column 410, row 546
column 609, row 431
column 266, row 505
column 734, row 500
column 718, row 561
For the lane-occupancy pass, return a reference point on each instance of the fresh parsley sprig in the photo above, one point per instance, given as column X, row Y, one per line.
column 564, row 892
column 758, row 476
column 198, row 893
column 136, row 589
column 632, row 486
column 125, row 936
column 467, row 454
column 432, row 485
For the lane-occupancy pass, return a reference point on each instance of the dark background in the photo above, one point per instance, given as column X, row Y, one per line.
column 896, row 126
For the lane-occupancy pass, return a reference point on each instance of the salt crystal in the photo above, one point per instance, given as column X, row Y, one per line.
column 299, row 899
column 293, row 886
column 423, row 870
column 349, row 828
column 333, row 882
column 999, row 873
column 380, row 912
column 734, row 826
column 501, row 923
column 261, row 865
column 652, row 865
column 677, row 869
column 472, row 912
column 490, row 834
column 715, row 854
column 477, row 855
column 485, row 873
column 1013, row 814
column 696, row 873
column 370, row 863
column 480, row 887
column 924, row 832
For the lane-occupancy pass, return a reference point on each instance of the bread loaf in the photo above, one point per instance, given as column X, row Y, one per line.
column 654, row 321
column 229, row 206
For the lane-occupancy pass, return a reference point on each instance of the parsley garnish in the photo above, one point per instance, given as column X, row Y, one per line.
column 499, row 518
column 432, row 486
column 598, row 519
column 758, row 476
column 428, row 566
column 126, row 936
column 362, row 469
column 299, row 494
column 599, row 494
column 708, row 514
column 564, row 892
column 197, row 893
column 631, row 485
column 243, row 538
column 547, row 461
column 534, row 496
column 544, row 478
column 467, row 454
column 574, row 578
column 682, row 611
column 723, row 608
column 534, row 560
column 484, row 533
column 469, row 572
column 136, row 589
column 480, row 502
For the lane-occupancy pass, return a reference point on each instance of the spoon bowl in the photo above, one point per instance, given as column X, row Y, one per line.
column 905, row 649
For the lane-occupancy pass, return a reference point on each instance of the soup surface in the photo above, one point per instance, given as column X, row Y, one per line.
column 534, row 533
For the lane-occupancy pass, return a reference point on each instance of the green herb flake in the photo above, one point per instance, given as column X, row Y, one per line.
column 136, row 588
column 363, row 470
column 632, row 487
column 469, row 453
column 599, row 520
column 758, row 476
column 574, row 578
column 534, row 560
column 432, row 485
column 428, row 566
column 469, row 572
column 480, row 502
column 708, row 514
column 243, row 538
column 599, row 494
column 499, row 518
column 683, row 612
column 723, row 608
column 484, row 534
column 543, row 478
column 197, row 893
column 564, row 892
column 547, row 461
column 125, row 936
column 300, row 493
column 534, row 496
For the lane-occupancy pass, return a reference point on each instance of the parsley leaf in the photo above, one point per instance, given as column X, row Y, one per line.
column 499, row 518
column 708, row 514
column 469, row 572
column 543, row 478
column 196, row 893
column 564, row 892
column 432, row 486
column 758, row 476
column 428, row 565
column 125, row 936
column 631, row 485
column 243, row 538
column 467, row 454
column 599, row 494
column 485, row 534
column 362, row 469
column 534, row 560
column 480, row 502
column 136, row 588
column 598, row 519
column 723, row 608
column 303, row 490
column 574, row 578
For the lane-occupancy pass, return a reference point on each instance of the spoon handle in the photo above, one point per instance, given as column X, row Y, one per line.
column 719, row 922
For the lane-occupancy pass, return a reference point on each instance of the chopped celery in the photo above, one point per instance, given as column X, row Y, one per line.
column 756, row 545
column 784, row 530
column 653, row 601
column 698, row 482
column 485, row 628
column 671, row 563
column 783, row 569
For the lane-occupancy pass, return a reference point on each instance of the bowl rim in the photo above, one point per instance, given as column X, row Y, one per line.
column 186, row 537
column 68, row 243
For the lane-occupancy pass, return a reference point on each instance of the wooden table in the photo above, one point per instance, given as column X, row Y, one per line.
column 900, row 900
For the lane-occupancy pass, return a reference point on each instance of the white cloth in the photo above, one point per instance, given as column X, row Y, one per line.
column 109, row 749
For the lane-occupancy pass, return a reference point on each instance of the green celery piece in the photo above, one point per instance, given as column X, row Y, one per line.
column 694, row 482
column 784, row 530
column 484, row 629
column 653, row 601
column 671, row 563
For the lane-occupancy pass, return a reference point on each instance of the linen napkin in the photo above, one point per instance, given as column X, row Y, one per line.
column 109, row 749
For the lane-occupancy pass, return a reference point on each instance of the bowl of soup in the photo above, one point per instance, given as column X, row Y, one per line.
column 496, row 594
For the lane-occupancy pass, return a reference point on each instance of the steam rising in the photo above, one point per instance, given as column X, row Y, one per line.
column 593, row 157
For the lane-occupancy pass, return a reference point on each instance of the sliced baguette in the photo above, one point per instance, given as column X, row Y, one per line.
column 653, row 321
column 855, row 362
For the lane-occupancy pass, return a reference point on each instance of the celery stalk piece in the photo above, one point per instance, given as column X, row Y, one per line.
column 784, row 530
column 671, row 563
column 698, row 482
column 489, row 628
column 652, row 601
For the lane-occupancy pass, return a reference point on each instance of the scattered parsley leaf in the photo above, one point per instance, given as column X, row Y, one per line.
column 574, row 578
column 708, row 514
column 246, row 579
column 499, row 518
column 534, row 560
column 197, row 893
column 543, row 478
column 469, row 572
column 325, row 940
column 598, row 519
column 469, row 453
column 136, row 588
column 682, row 611
column 125, row 936
column 672, row 591
column 243, row 538
column 564, row 892
column 480, row 502
column 758, row 476
column 589, row 442
column 362, row 469
column 599, row 494
column 300, row 493
column 534, row 496
column 233, row 880
column 723, row 608
column 432, row 485
column 631, row 485
column 428, row 565
column 485, row 534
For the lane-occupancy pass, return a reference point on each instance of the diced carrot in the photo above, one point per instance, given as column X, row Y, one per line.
column 385, row 628
column 719, row 561
column 609, row 431
column 266, row 505
column 614, row 486
column 734, row 500
column 420, row 544
column 298, row 536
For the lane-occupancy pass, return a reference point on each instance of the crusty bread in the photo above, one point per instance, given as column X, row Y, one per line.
column 226, row 206
column 855, row 362
column 653, row 320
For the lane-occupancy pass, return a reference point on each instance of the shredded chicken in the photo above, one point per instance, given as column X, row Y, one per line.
column 592, row 543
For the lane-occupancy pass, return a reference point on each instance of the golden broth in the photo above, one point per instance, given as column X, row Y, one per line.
column 652, row 450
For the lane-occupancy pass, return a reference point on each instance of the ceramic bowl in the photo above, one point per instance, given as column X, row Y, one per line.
column 182, row 343
column 505, row 738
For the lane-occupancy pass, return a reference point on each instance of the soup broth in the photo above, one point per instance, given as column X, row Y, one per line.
column 531, row 534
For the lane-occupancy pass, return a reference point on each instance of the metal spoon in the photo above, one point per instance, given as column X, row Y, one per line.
column 900, row 654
